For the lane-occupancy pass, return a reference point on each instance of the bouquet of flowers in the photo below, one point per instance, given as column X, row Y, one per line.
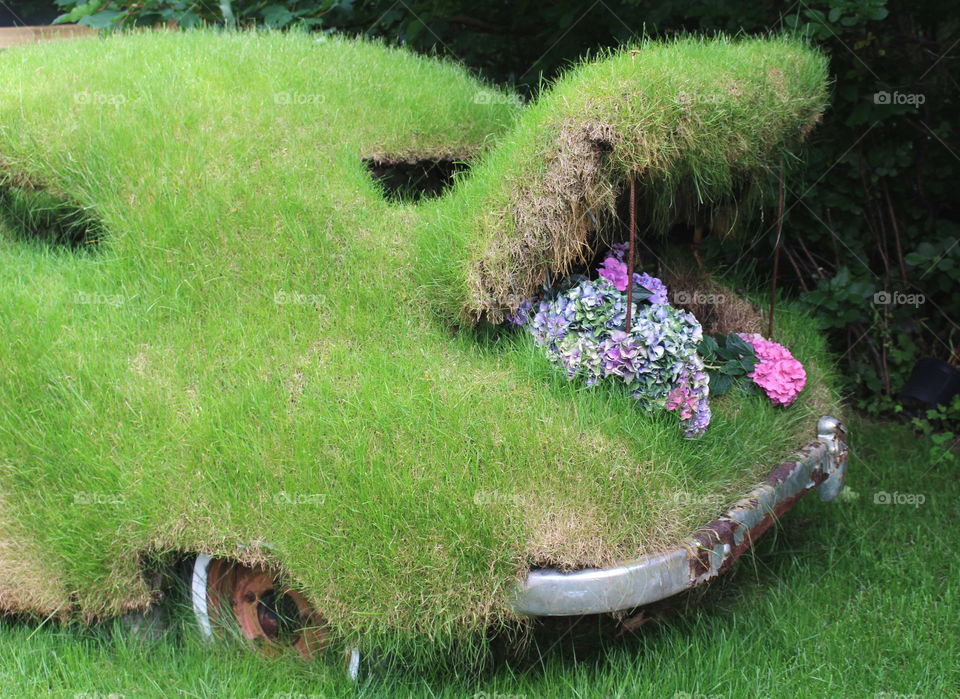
column 582, row 329
column 664, row 357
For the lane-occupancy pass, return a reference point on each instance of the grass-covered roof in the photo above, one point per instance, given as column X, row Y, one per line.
column 694, row 121
column 250, row 362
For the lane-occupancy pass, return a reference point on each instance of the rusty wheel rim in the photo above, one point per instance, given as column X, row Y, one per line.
column 268, row 613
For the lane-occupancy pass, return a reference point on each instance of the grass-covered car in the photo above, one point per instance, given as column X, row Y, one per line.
column 221, row 339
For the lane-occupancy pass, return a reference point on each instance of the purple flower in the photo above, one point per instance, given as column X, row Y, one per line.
column 522, row 315
column 701, row 420
column 581, row 329
column 616, row 271
column 690, row 399
column 618, row 250
column 657, row 289
column 552, row 320
column 597, row 304
column 623, row 355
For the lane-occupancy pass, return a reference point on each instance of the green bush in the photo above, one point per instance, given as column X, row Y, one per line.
column 304, row 14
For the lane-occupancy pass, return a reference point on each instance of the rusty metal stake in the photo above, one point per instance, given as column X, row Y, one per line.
column 633, row 235
column 776, row 255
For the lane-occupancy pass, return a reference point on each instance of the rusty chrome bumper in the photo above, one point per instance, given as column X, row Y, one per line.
column 708, row 553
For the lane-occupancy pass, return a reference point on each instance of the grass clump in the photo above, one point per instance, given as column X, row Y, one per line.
column 251, row 365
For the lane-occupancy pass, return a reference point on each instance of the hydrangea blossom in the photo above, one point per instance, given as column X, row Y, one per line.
column 579, row 354
column 657, row 289
column 551, row 321
column 582, row 330
column 689, row 399
column 777, row 372
column 522, row 314
column 619, row 250
column 615, row 271
column 597, row 304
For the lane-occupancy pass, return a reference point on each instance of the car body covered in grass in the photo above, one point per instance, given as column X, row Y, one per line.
column 220, row 338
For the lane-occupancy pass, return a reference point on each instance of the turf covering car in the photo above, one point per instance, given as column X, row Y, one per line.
column 219, row 338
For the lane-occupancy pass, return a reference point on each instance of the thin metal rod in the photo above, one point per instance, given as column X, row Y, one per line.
column 633, row 235
column 776, row 255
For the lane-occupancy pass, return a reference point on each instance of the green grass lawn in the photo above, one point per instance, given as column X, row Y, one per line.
column 845, row 599
column 257, row 358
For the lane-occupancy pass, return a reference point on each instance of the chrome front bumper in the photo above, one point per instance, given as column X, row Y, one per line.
column 708, row 553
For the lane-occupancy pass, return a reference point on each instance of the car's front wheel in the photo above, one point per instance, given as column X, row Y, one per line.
column 229, row 597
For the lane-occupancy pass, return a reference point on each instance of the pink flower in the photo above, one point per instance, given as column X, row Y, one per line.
column 683, row 401
column 616, row 271
column 777, row 372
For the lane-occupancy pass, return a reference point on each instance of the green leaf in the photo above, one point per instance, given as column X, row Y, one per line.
column 740, row 346
column 720, row 383
column 276, row 16
column 732, row 368
column 926, row 249
column 188, row 20
column 708, row 347
column 101, row 19
column 640, row 293
column 79, row 12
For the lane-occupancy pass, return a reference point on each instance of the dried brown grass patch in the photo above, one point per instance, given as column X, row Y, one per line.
column 28, row 584
column 719, row 308
column 551, row 216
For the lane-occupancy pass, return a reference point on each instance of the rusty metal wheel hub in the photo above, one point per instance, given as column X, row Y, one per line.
column 268, row 613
